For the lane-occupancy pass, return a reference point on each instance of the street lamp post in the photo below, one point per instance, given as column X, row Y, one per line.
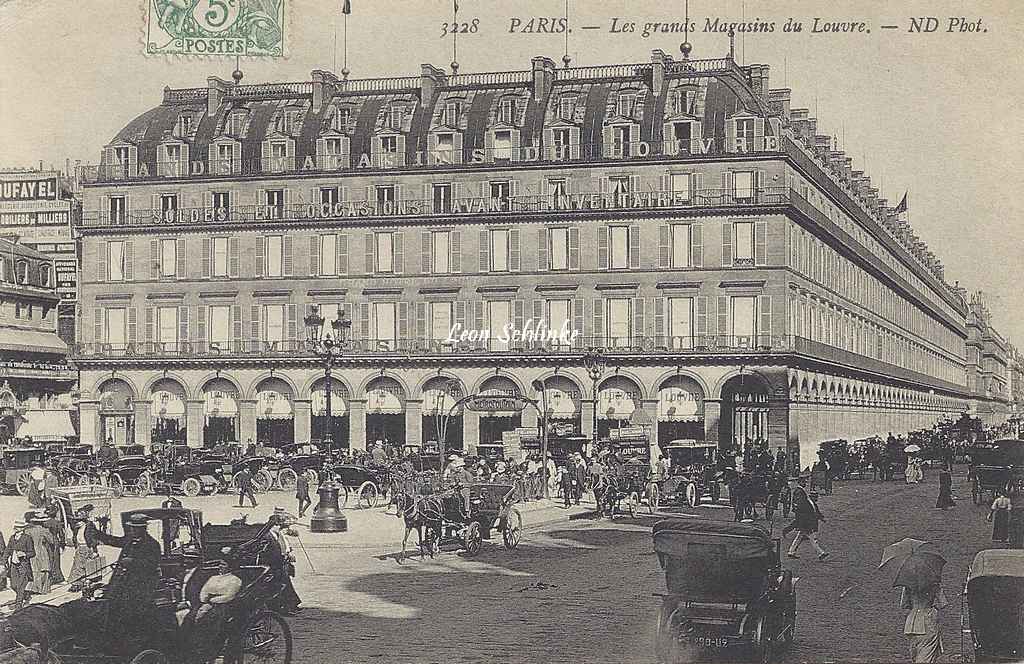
column 595, row 363
column 328, row 347
column 538, row 387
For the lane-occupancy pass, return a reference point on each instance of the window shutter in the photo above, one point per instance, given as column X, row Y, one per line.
column 368, row 245
column 206, row 257
column 133, row 325
column 760, row 239
column 759, row 134
column 696, row 186
column 421, row 320
column 149, row 324
column 764, row 329
column 723, row 316
column 293, row 322
column 342, row 251
column 634, row 246
column 371, row 197
column 538, row 312
column 261, row 254
column 98, row 336
column 602, row 247
column 578, row 321
column 154, row 259
column 730, row 135
column 634, row 183
column 598, row 321
column 513, row 242
column 518, row 317
column 574, row 248
column 485, row 251
column 726, row 244
column 233, row 262
column 456, row 248
column 183, row 325
column 697, row 245
column 101, row 264
column 425, row 252
column 180, row 268
column 460, row 313
column 201, row 324
column 314, row 255
column 702, row 316
column 403, row 322
column 286, row 268
column 665, row 180
column 665, row 246
column 129, row 261
column 478, row 314
column 236, row 324
column 638, row 317
column 364, row 320
column 255, row 330
column 729, row 185
column 659, row 319
column 609, row 143
column 542, row 249
column 398, row 252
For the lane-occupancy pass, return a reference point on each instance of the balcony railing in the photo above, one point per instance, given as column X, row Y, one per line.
column 712, row 65
column 491, row 78
column 391, row 83
column 604, row 71
column 244, row 214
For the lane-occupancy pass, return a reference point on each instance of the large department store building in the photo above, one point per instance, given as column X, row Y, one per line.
column 742, row 281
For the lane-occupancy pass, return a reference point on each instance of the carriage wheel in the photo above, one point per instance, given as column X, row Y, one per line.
column 748, row 510
column 513, row 531
column 191, row 487
column 266, row 638
column 653, row 498
column 343, row 495
column 692, row 499
column 666, row 641
column 287, row 478
column 144, row 485
column 260, row 482
column 117, row 485
column 633, row 503
column 23, row 482
column 472, row 541
column 150, row 657
column 367, row 495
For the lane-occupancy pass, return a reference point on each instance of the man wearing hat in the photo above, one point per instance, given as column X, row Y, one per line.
column 86, row 550
column 135, row 578
column 806, row 517
column 18, row 559
column 580, row 469
column 460, row 478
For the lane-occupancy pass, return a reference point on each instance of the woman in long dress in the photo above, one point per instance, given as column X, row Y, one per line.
column 999, row 515
column 922, row 625
column 945, row 498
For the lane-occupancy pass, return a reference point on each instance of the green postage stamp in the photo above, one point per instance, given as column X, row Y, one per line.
column 215, row 27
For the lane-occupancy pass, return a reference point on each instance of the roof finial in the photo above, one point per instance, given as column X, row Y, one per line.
column 455, row 67
column 565, row 58
column 237, row 74
column 686, row 46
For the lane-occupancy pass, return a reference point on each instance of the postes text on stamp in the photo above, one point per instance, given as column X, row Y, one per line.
column 215, row 27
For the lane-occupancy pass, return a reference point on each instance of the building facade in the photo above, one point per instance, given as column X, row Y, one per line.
column 741, row 280
column 36, row 383
column 990, row 366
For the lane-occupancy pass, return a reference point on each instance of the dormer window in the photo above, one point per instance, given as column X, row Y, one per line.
column 389, row 144
column 446, row 145
column 236, row 121
column 745, row 134
column 502, row 145
column 287, row 121
column 681, row 102
column 184, row 126
column 621, row 140
column 566, row 105
column 452, row 112
column 341, row 118
column 626, row 102
column 506, row 109
column 395, row 117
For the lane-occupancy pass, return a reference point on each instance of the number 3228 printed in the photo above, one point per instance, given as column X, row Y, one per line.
column 460, row 28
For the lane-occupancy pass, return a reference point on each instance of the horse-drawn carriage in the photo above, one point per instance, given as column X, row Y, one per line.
column 72, row 498
column 992, row 616
column 216, row 589
column 996, row 466
column 16, row 464
column 443, row 516
column 726, row 589
column 747, row 491
column 367, row 486
column 632, row 483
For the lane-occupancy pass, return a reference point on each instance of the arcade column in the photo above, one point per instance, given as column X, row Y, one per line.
column 194, row 423
column 140, row 415
column 651, row 410
column 247, row 421
column 414, row 422
column 712, row 418
column 303, row 420
column 89, row 423
column 587, row 424
column 470, row 431
column 778, row 425
column 357, row 424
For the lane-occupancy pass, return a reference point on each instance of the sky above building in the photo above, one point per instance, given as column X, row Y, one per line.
column 936, row 115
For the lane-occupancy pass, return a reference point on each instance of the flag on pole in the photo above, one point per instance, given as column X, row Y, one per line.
column 902, row 207
column 456, row 6
column 346, row 6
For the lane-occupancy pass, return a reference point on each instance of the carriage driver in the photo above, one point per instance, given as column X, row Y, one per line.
column 460, row 478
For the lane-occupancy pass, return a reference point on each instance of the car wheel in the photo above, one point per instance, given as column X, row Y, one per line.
column 367, row 495
column 287, row 479
column 23, row 483
column 691, row 495
column 191, row 487
column 473, row 540
column 513, row 531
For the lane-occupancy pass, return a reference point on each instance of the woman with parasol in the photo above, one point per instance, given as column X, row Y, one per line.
column 918, row 571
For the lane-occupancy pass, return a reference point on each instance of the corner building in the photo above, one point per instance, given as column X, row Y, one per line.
column 741, row 279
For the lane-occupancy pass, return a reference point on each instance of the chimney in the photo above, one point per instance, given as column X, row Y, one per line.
column 217, row 89
column 661, row 61
column 543, row 77
column 431, row 78
column 779, row 102
column 324, row 85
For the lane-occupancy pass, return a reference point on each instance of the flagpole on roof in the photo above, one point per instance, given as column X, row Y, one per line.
column 346, row 9
column 455, row 39
column 565, row 57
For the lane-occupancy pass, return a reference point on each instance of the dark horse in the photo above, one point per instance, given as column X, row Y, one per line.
column 418, row 512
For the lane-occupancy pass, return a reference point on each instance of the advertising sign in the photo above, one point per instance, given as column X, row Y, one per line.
column 33, row 189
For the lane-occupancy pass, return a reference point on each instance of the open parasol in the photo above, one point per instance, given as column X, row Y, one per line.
column 914, row 563
column 911, row 449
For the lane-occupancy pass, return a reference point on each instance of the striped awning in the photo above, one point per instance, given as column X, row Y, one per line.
column 678, row 405
column 614, row 404
column 383, row 402
column 271, row 405
column 560, row 404
column 219, row 404
column 166, row 405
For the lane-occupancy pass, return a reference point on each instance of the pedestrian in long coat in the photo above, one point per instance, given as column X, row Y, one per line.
column 922, row 625
column 18, row 559
column 302, row 492
column 580, row 468
column 999, row 515
column 42, row 561
column 36, row 481
column 56, row 529
column 807, row 515
column 945, row 498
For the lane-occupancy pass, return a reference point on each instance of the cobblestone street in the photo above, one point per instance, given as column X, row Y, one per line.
column 581, row 590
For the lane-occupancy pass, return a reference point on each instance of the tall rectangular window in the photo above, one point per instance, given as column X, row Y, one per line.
column 499, row 251
column 745, row 134
column 506, row 109
column 221, row 200
column 220, row 325
column 621, row 138
column 168, row 257
column 680, row 321
column 744, row 185
column 499, row 315
column 273, row 327
column 501, row 190
column 566, row 106
column 618, row 247
column 115, row 260
column 167, row 325
column 168, row 206
column 328, row 255
column 220, row 257
column 275, row 203
column 744, row 319
column 385, row 252
column 626, row 105
column 442, row 197
column 562, row 137
column 680, row 245
column 559, row 314
column 118, row 209
column 385, row 323
column 559, row 241
column 275, row 255
column 445, row 148
column 682, row 132
column 441, row 250
column 452, row 111
column 681, row 186
column 618, row 324
column 116, row 327
column 619, row 184
column 440, row 320
column 225, row 158
column 743, row 239
column 389, row 144
column 503, row 145
column 386, row 195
